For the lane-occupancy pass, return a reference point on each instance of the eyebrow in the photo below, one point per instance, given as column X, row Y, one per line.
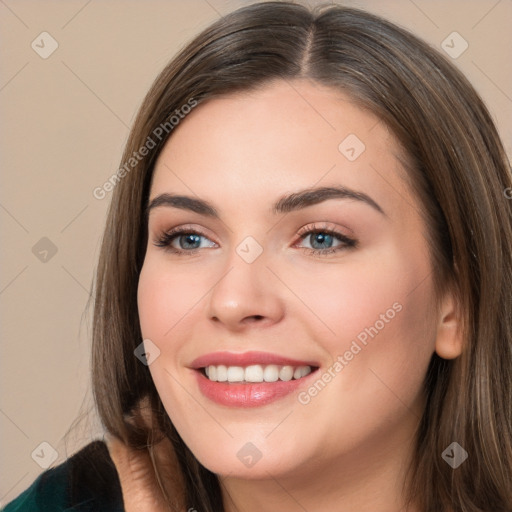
column 291, row 202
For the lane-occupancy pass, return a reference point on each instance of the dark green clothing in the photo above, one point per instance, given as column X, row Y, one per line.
column 86, row 482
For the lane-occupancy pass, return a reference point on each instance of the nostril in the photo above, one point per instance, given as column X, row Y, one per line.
column 253, row 318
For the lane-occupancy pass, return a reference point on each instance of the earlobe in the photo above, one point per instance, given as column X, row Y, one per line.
column 449, row 342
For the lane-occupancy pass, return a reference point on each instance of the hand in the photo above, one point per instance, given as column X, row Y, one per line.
column 141, row 492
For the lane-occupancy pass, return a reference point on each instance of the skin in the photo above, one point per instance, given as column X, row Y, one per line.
column 137, row 478
column 348, row 448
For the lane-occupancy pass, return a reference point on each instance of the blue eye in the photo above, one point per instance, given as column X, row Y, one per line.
column 192, row 239
column 189, row 241
column 322, row 240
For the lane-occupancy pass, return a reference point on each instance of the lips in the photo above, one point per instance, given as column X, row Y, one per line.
column 247, row 359
column 239, row 392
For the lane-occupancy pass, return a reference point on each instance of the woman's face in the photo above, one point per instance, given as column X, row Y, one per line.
column 310, row 253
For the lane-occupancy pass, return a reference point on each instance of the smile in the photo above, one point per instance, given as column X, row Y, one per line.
column 255, row 373
column 250, row 379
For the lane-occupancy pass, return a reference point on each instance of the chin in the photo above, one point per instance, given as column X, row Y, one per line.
column 238, row 457
column 258, row 469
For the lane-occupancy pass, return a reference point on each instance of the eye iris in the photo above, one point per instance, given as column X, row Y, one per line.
column 190, row 239
column 321, row 238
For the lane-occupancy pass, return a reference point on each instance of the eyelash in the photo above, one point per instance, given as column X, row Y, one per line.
column 168, row 237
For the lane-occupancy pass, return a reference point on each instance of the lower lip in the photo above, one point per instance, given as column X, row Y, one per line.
column 247, row 395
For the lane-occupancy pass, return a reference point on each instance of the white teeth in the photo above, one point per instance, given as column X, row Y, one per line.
column 222, row 373
column 255, row 373
column 305, row 370
column 286, row 373
column 301, row 371
column 271, row 373
column 235, row 374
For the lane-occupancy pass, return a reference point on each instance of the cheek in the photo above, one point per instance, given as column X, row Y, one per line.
column 166, row 303
column 386, row 287
column 376, row 313
column 392, row 323
column 154, row 304
column 165, row 298
column 379, row 332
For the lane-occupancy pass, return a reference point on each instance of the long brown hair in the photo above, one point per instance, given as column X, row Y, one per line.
column 456, row 165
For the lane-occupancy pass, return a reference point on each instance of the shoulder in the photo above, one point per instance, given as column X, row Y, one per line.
column 86, row 482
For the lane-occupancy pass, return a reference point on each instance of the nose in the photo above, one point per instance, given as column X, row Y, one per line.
column 247, row 294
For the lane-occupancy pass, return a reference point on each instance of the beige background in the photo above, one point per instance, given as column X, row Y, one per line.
column 64, row 122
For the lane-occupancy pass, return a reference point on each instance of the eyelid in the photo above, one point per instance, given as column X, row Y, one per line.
column 323, row 225
column 164, row 238
column 346, row 242
column 167, row 237
column 185, row 228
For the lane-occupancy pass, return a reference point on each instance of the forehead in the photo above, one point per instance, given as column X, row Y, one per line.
column 282, row 136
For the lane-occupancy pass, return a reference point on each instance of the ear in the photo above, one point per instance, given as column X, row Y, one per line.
column 449, row 342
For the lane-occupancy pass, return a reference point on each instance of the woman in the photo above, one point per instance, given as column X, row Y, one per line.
column 303, row 293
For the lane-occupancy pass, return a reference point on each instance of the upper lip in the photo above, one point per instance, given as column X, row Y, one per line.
column 246, row 359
